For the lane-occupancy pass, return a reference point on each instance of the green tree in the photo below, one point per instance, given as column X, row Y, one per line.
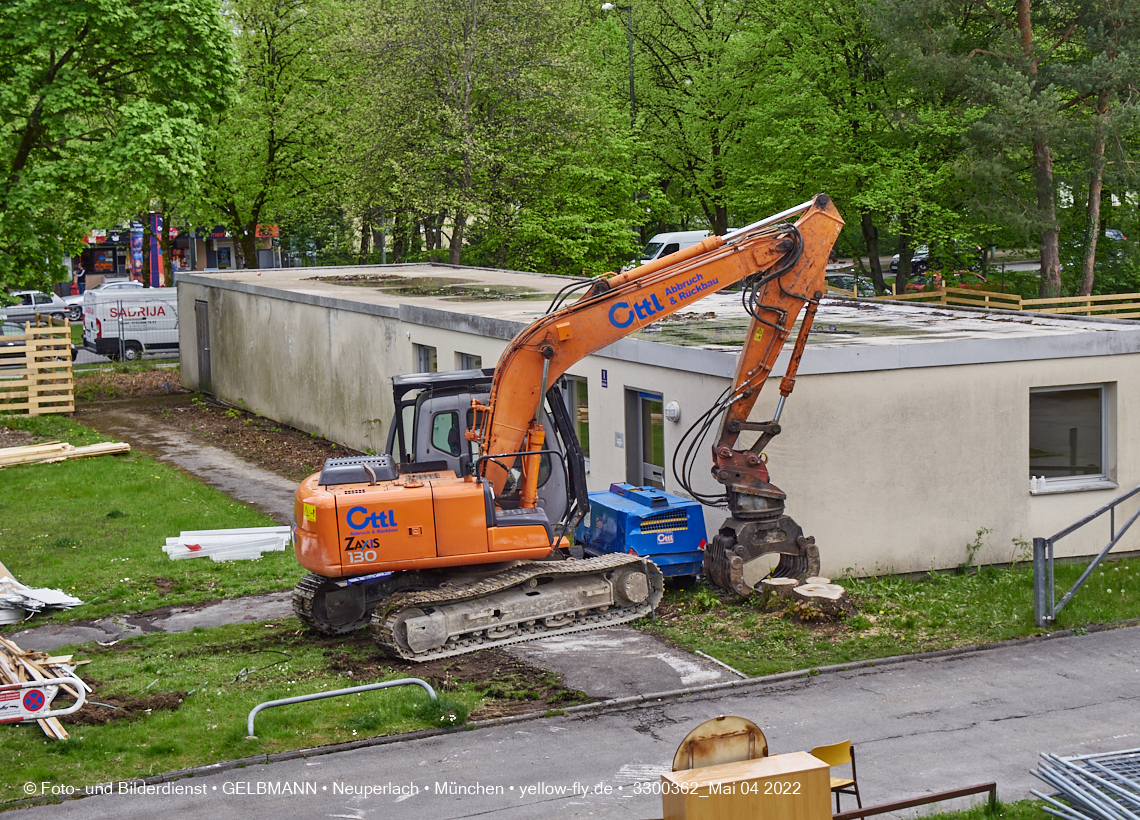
column 477, row 117
column 693, row 86
column 269, row 154
column 101, row 103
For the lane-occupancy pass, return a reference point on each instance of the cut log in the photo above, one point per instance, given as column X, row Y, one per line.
column 778, row 589
column 819, row 602
column 818, row 579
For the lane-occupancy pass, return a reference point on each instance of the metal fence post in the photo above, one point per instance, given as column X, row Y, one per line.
column 1040, row 582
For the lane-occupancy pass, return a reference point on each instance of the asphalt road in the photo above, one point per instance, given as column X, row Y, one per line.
column 919, row 726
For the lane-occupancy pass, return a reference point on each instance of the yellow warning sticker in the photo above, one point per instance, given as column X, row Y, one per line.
column 759, row 337
column 311, row 512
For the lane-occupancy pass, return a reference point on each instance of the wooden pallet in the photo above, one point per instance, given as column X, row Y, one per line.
column 39, row 381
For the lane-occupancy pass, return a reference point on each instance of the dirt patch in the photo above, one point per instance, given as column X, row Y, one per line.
column 164, row 584
column 510, row 685
column 110, row 385
column 284, row 450
column 101, row 709
column 16, row 438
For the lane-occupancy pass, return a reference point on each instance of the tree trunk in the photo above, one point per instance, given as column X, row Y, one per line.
column 821, row 602
column 455, row 252
column 1047, row 212
column 871, row 238
column 777, row 590
column 247, row 242
column 1092, row 218
column 365, row 237
column 1042, row 171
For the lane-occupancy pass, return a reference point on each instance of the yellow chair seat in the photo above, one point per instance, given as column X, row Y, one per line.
column 840, row 782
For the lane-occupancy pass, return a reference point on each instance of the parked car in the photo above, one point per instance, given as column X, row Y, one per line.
column 958, row 279
column 664, row 244
column 31, row 303
column 13, row 348
column 1115, row 235
column 130, row 322
column 918, row 262
column 75, row 301
column 849, row 281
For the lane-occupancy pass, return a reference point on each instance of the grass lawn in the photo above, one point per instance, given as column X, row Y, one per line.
column 95, row 528
column 212, row 678
column 1019, row 810
column 895, row 616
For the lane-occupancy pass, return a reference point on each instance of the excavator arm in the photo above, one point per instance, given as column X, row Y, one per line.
column 782, row 268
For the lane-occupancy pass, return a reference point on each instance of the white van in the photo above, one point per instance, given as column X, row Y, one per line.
column 664, row 244
column 128, row 322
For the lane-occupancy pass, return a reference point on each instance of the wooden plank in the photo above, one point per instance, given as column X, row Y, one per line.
column 1105, row 297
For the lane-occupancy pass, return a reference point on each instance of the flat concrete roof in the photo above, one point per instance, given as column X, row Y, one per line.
column 847, row 335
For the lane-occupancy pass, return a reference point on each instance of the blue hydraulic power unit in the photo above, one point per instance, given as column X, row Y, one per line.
column 667, row 529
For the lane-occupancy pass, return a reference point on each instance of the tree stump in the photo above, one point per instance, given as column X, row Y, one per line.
column 821, row 602
column 818, row 579
column 778, row 589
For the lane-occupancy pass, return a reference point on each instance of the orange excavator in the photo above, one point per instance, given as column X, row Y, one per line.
column 447, row 544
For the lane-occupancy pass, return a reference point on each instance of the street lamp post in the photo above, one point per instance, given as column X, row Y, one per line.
column 629, row 35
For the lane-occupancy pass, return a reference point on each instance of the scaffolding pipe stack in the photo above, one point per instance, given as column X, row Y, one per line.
column 1092, row 787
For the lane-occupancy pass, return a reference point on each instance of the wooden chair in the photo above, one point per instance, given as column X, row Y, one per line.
column 840, row 754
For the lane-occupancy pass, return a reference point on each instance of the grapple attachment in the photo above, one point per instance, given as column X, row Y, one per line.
column 733, row 558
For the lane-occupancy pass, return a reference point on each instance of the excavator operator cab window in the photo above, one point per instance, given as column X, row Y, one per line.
column 445, row 434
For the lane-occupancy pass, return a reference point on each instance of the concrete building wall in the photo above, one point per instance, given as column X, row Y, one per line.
column 893, row 456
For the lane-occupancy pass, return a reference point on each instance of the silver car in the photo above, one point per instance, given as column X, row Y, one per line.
column 75, row 301
column 33, row 302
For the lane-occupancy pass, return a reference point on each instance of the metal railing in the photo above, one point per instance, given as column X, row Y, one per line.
column 1045, row 608
column 335, row 693
column 926, row 799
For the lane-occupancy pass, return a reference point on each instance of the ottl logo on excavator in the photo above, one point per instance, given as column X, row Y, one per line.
column 359, row 519
column 621, row 314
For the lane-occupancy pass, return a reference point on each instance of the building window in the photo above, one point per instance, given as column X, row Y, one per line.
column 425, row 359
column 469, row 361
column 1067, row 433
column 578, row 404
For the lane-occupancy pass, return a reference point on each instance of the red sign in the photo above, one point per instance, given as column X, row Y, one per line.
column 267, row 230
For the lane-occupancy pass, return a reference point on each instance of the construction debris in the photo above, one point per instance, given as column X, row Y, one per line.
column 228, row 545
column 18, row 665
column 18, row 602
column 1102, row 786
column 53, row 451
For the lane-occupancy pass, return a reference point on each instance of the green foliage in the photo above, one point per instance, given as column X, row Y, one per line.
column 102, row 103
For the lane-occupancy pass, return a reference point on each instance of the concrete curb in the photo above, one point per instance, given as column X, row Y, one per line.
column 614, row 704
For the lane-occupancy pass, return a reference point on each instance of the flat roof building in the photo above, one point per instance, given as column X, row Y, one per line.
column 911, row 428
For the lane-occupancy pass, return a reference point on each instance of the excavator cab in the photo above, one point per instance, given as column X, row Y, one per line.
column 433, row 410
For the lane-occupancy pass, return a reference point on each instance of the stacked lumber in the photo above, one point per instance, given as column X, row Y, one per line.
column 53, row 451
column 18, row 665
column 17, row 601
column 228, row 545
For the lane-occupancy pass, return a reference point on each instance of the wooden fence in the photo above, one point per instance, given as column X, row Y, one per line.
column 36, row 378
column 1116, row 305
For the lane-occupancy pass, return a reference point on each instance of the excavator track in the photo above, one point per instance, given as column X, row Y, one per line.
column 507, row 607
column 337, row 606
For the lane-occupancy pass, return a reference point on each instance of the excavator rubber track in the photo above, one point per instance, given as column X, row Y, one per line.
column 311, row 596
column 502, row 608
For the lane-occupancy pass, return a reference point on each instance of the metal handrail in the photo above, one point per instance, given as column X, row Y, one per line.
column 335, row 693
column 936, row 797
column 1045, row 607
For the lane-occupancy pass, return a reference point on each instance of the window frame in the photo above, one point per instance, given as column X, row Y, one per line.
column 1103, row 480
column 569, row 399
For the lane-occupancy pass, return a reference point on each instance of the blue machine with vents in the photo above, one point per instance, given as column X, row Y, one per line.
column 668, row 530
